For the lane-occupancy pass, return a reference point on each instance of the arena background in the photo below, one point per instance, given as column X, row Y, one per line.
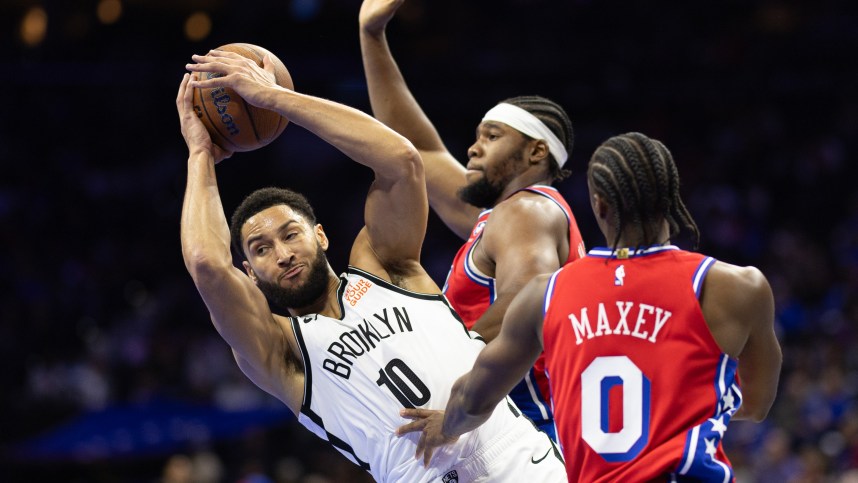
column 112, row 371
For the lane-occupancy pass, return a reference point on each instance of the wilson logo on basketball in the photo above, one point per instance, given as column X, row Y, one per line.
column 233, row 124
column 354, row 291
column 221, row 101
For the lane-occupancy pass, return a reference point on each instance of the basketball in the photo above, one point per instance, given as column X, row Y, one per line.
column 233, row 124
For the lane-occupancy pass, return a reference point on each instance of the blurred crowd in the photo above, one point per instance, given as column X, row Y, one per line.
column 756, row 100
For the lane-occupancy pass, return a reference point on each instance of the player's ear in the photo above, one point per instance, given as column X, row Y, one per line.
column 597, row 202
column 249, row 271
column 538, row 151
column 321, row 236
column 600, row 207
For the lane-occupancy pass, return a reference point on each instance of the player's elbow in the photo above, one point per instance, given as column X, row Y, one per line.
column 756, row 404
column 754, row 413
column 408, row 161
column 203, row 265
column 758, row 416
column 470, row 405
column 476, row 407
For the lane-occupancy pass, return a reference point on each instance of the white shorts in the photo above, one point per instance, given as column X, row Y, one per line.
column 510, row 449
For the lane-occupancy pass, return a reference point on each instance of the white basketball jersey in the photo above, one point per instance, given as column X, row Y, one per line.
column 392, row 349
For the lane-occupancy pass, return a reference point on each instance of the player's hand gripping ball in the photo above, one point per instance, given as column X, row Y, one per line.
column 233, row 124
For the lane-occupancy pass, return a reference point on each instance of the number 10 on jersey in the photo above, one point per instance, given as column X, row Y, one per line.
column 404, row 384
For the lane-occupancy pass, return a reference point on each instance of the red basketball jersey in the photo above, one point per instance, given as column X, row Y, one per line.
column 641, row 390
column 470, row 292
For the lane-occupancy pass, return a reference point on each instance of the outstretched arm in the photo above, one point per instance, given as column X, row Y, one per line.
column 238, row 309
column 393, row 104
column 396, row 207
column 501, row 364
column 498, row 368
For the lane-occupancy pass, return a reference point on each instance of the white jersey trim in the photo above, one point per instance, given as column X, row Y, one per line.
column 700, row 274
column 549, row 291
column 605, row 252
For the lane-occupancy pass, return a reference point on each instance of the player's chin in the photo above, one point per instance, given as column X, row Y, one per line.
column 472, row 176
column 289, row 283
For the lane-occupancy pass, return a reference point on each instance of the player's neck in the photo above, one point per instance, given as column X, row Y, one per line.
column 634, row 237
column 327, row 304
column 521, row 182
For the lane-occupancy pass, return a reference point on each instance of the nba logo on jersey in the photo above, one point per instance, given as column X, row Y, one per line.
column 451, row 477
column 478, row 229
column 619, row 275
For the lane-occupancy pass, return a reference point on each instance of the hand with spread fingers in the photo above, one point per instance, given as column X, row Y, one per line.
column 430, row 422
column 237, row 72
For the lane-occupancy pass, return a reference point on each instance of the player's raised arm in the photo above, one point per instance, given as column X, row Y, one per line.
column 238, row 310
column 396, row 208
column 393, row 104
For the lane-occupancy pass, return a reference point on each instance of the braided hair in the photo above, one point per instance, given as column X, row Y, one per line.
column 638, row 177
column 556, row 119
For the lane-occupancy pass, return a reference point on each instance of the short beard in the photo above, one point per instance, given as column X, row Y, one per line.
column 304, row 294
column 481, row 193
column 485, row 194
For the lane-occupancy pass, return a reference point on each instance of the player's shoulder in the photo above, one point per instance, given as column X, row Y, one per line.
column 746, row 276
column 735, row 283
column 527, row 205
column 409, row 276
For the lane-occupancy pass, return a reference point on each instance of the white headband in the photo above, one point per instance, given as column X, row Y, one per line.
column 526, row 123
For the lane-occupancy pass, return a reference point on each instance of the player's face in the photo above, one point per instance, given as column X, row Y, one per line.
column 495, row 159
column 286, row 256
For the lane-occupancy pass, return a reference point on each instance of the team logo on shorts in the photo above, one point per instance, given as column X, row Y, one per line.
column 451, row 477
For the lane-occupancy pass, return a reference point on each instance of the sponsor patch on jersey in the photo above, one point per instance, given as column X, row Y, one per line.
column 451, row 477
column 354, row 291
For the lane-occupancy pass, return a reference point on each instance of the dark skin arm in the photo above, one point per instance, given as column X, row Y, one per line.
column 738, row 306
column 526, row 236
column 393, row 104
column 498, row 368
